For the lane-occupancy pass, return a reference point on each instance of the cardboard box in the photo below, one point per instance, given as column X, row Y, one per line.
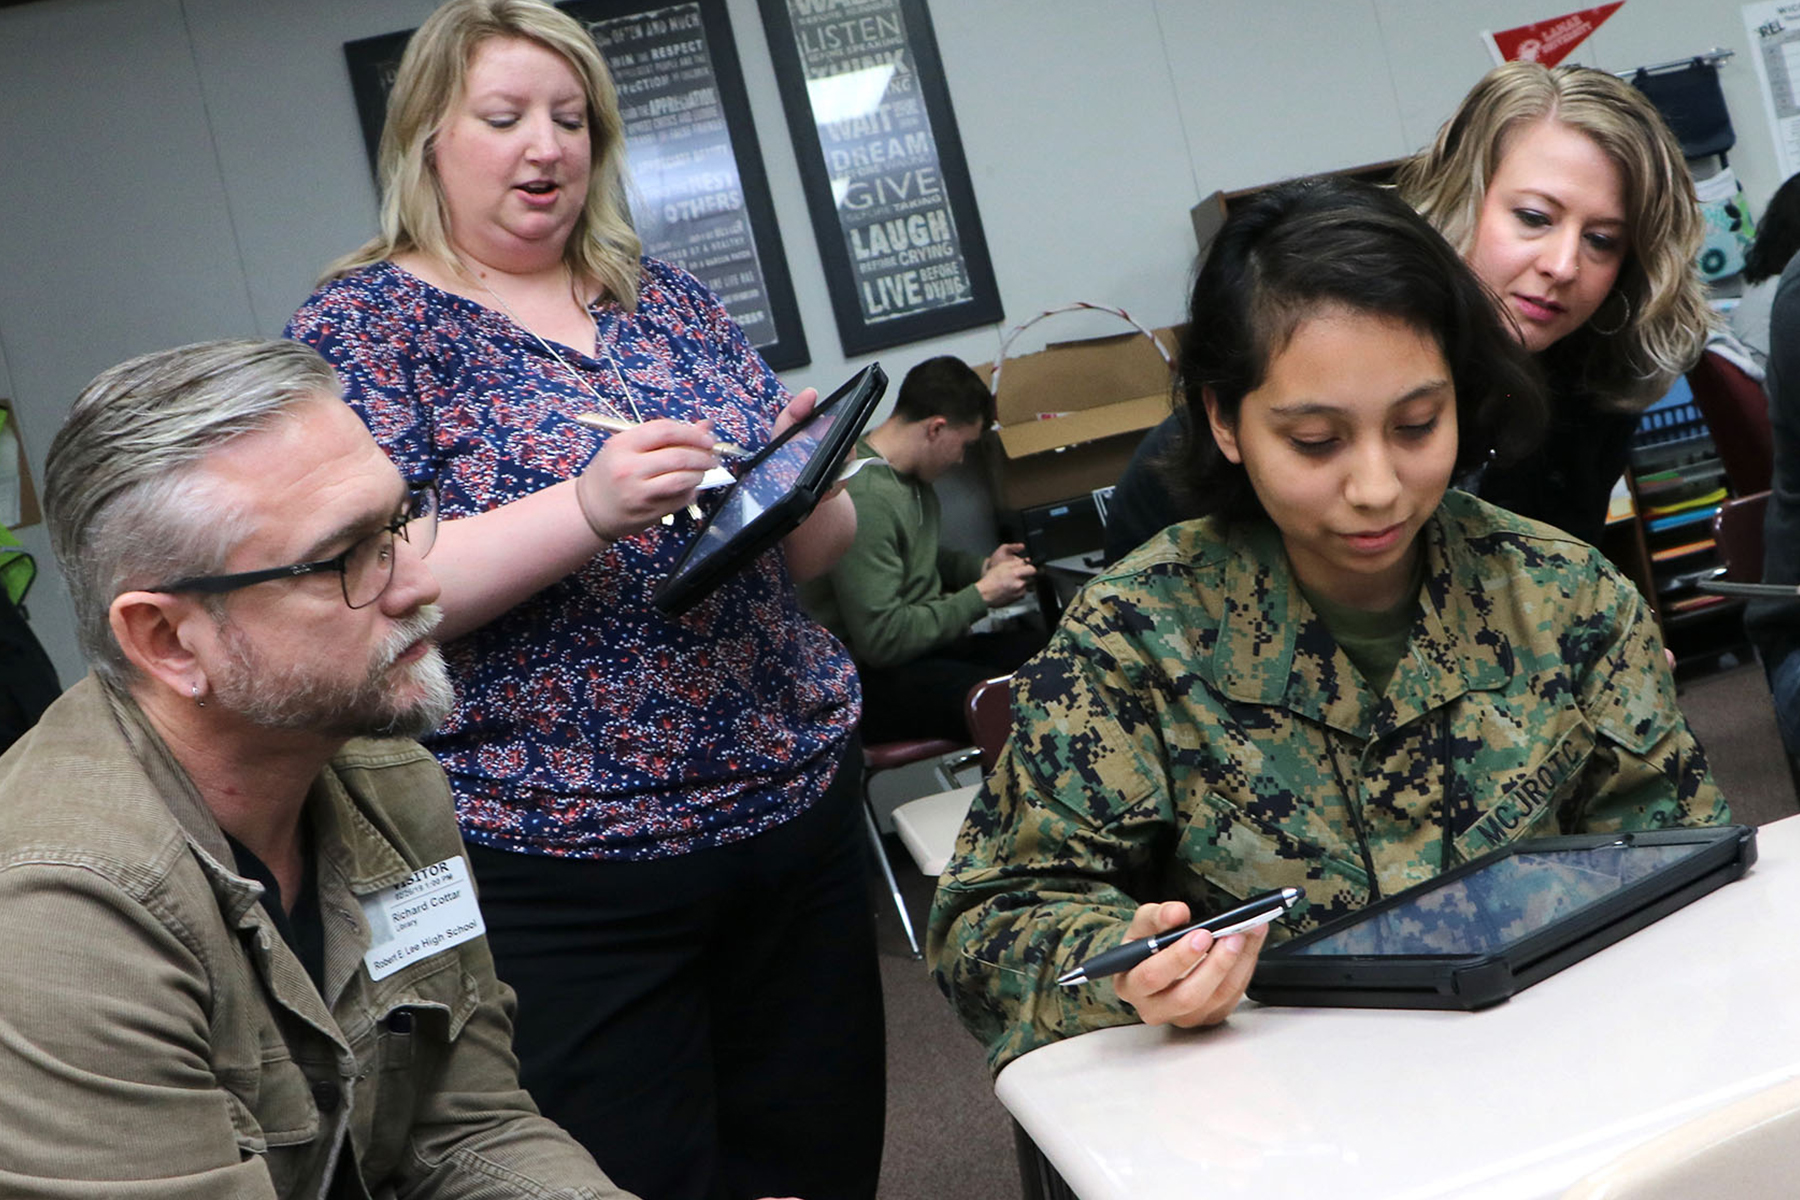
column 1209, row 215
column 1071, row 415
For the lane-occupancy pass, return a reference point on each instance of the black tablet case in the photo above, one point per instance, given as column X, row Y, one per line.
column 694, row 578
column 1474, row 981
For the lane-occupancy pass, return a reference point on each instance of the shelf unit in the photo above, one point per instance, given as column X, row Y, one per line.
column 1677, row 483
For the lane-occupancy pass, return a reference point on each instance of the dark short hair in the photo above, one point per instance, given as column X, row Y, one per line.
column 944, row 387
column 1777, row 234
column 1308, row 244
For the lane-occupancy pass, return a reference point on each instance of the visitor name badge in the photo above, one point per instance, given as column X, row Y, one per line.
column 429, row 911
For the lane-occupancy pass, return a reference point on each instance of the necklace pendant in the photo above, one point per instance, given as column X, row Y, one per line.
column 668, row 518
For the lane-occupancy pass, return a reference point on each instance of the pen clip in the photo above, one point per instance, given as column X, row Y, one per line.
column 1262, row 918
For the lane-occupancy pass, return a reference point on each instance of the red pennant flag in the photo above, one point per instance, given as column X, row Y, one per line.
column 1548, row 42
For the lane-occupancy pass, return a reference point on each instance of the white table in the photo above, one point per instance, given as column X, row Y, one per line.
column 1520, row 1100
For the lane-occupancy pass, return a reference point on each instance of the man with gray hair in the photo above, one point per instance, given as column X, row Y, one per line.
column 244, row 957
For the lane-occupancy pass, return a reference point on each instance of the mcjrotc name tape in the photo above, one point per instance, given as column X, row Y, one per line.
column 426, row 913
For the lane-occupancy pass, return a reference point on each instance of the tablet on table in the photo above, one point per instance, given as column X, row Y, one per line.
column 1487, row 929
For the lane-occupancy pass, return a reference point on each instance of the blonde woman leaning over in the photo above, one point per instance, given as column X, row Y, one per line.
column 1565, row 191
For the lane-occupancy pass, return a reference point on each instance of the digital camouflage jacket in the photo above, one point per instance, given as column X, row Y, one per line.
column 1193, row 732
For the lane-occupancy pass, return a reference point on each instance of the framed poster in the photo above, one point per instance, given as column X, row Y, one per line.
column 373, row 62
column 883, row 169
column 699, row 194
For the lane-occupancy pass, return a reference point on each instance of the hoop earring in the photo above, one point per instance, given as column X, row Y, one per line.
column 1622, row 326
column 195, row 687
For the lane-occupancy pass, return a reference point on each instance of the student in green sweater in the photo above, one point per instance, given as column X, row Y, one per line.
column 898, row 599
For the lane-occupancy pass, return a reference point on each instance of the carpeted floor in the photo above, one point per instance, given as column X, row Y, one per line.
column 1732, row 715
column 948, row 1138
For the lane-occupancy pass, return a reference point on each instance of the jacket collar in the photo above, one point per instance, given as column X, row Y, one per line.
column 355, row 857
column 343, row 831
column 170, row 781
column 287, row 980
column 1273, row 648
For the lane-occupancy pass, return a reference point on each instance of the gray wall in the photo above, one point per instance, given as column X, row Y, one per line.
column 174, row 170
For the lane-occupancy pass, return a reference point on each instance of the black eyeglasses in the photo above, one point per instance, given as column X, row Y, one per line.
column 364, row 570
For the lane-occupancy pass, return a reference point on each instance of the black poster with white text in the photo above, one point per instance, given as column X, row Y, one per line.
column 885, row 177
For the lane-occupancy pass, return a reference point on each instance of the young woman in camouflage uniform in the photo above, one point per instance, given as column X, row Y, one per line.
column 1345, row 677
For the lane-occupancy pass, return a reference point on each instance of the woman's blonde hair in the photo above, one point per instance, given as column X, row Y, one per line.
column 602, row 247
column 1653, row 324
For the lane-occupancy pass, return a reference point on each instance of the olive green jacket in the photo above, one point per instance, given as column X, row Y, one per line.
column 1193, row 733
column 897, row 593
column 159, row 1038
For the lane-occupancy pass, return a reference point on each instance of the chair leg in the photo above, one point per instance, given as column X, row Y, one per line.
column 887, row 870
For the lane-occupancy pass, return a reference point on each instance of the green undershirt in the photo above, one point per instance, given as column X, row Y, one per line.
column 1373, row 641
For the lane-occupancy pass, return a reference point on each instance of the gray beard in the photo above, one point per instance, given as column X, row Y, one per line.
column 301, row 698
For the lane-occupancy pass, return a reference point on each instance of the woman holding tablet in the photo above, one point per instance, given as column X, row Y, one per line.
column 669, row 855
column 1344, row 678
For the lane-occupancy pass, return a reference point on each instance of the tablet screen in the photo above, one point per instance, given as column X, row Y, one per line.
column 772, row 474
column 766, row 481
column 1507, row 900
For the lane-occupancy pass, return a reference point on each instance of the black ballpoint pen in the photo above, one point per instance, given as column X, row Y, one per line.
column 1258, row 910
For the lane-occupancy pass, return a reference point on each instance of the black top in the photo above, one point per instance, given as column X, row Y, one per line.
column 303, row 929
column 1568, row 480
column 1143, row 503
column 1774, row 625
column 27, row 680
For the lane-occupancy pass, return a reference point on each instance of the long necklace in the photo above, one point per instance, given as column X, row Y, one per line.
column 605, row 354
column 577, row 376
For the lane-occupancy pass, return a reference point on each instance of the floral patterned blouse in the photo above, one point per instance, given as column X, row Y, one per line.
column 587, row 723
